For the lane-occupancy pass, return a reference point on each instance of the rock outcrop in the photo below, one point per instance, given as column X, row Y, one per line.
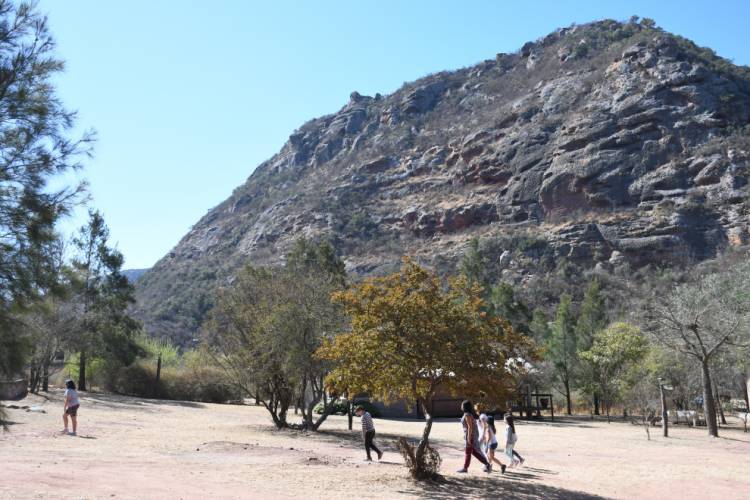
column 612, row 142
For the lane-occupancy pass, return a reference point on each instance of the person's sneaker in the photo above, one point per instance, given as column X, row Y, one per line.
column 521, row 461
column 72, row 434
column 368, row 459
column 502, row 468
column 487, row 468
column 380, row 455
column 64, row 431
column 462, row 471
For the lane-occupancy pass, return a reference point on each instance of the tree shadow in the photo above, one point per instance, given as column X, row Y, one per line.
column 387, row 441
column 114, row 401
column 492, row 487
column 579, row 422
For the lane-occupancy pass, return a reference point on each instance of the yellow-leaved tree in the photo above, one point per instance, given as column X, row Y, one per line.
column 411, row 337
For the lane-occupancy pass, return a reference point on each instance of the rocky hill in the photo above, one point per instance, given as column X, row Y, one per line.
column 600, row 144
column 133, row 275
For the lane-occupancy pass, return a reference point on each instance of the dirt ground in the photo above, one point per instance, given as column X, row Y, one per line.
column 133, row 448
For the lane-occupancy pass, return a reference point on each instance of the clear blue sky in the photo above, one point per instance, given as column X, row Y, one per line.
column 188, row 97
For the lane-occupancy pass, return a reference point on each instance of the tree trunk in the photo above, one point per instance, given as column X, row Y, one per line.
column 709, row 408
column 722, row 418
column 33, row 380
column 566, row 383
column 528, row 402
column 45, row 376
column 82, row 372
column 327, row 407
column 425, row 434
column 596, row 404
column 349, row 408
column 746, row 383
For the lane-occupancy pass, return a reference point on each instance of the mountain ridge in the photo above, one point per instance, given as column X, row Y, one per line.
column 603, row 144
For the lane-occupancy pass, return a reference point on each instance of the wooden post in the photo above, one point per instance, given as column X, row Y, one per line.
column 82, row 371
column 158, row 369
column 664, row 418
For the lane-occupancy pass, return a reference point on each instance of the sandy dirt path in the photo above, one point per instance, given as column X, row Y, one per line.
column 132, row 448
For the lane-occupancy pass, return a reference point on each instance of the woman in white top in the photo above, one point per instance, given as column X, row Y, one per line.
column 490, row 440
column 70, row 407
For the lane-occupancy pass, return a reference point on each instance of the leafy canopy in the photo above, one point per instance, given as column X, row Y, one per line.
column 410, row 336
column 613, row 352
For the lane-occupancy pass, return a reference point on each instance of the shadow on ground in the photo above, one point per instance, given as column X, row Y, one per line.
column 386, row 441
column 115, row 401
column 517, row 487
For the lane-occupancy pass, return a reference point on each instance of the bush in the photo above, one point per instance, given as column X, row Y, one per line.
column 204, row 384
column 340, row 407
column 429, row 468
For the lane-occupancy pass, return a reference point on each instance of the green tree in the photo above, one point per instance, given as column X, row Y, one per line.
column 411, row 337
column 36, row 144
column 308, row 257
column 539, row 328
column 503, row 302
column 561, row 347
column 474, row 264
column 612, row 353
column 103, row 296
column 592, row 318
column 266, row 328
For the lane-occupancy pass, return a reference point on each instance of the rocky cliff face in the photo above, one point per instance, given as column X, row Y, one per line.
column 602, row 144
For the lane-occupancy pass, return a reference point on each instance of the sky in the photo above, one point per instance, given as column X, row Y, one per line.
column 188, row 97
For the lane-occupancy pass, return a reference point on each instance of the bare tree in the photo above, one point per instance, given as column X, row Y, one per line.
column 700, row 319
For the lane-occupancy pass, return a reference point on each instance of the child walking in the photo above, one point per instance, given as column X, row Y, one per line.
column 70, row 407
column 368, row 432
column 510, row 441
column 471, row 438
column 490, row 440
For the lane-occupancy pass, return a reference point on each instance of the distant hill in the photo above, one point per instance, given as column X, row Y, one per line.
column 133, row 275
column 603, row 144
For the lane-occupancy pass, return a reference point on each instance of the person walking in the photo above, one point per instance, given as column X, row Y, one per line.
column 490, row 440
column 368, row 432
column 471, row 438
column 70, row 407
column 510, row 441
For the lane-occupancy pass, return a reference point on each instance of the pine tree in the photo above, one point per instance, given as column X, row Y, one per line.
column 35, row 145
column 103, row 295
column 592, row 319
column 473, row 264
column 539, row 327
column 562, row 346
column 505, row 304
